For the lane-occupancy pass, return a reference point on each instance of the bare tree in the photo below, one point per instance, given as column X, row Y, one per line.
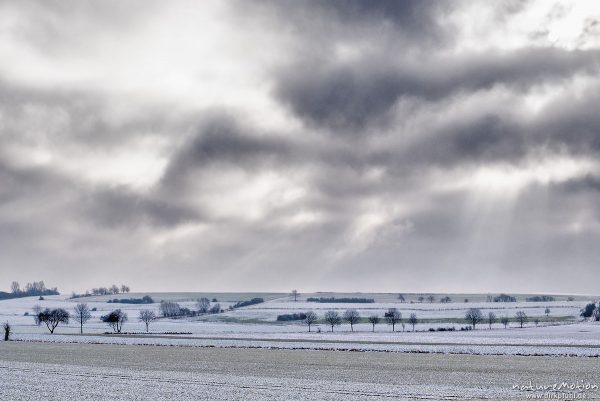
column 15, row 288
column 521, row 317
column 504, row 320
column 491, row 318
column 7, row 329
column 547, row 311
column 295, row 294
column 35, row 288
column 413, row 320
column 147, row 316
column 393, row 316
column 431, row 298
column 124, row 288
column 310, row 318
column 596, row 314
column 169, row 308
column 114, row 289
column 374, row 319
column 332, row 318
column 421, row 298
column 352, row 317
column 216, row 308
column 203, row 305
column 53, row 317
column 115, row 319
column 81, row 314
column 473, row 316
column 401, row 298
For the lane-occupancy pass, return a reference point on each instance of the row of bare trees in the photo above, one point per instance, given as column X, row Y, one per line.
column 393, row 317
column 81, row 314
column 30, row 289
column 113, row 289
column 474, row 316
column 52, row 318
column 332, row 318
column 203, row 306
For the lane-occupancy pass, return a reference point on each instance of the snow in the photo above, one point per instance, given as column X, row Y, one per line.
column 570, row 338
column 458, row 347
column 27, row 381
column 270, row 310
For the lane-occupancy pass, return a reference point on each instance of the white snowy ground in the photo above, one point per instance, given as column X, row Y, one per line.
column 562, row 341
column 571, row 338
column 24, row 380
column 270, row 310
column 225, row 357
column 41, row 371
column 14, row 310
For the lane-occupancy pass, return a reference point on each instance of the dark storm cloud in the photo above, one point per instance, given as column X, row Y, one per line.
column 567, row 125
column 106, row 206
column 572, row 122
column 587, row 184
column 120, row 207
column 413, row 17
column 220, row 139
column 347, row 96
column 484, row 139
column 413, row 20
column 24, row 183
column 489, row 138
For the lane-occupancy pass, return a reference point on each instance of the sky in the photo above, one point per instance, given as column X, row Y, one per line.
column 413, row 146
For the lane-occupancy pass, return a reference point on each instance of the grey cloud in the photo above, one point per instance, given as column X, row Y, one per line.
column 348, row 96
column 567, row 125
column 417, row 21
column 20, row 185
column 571, row 123
column 122, row 208
column 67, row 117
column 486, row 139
column 43, row 26
column 105, row 206
column 588, row 184
column 219, row 140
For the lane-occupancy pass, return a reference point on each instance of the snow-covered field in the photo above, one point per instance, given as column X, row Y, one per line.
column 562, row 333
column 35, row 371
column 270, row 310
column 25, row 379
column 267, row 311
column 434, row 345
column 481, row 363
